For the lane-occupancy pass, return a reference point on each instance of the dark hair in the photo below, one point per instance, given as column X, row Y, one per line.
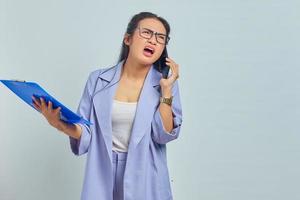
column 132, row 25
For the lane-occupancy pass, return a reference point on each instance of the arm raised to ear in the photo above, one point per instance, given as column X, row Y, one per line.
column 159, row 132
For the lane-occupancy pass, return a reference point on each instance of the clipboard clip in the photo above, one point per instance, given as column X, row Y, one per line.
column 18, row 80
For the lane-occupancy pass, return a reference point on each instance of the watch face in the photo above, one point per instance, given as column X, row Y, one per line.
column 166, row 100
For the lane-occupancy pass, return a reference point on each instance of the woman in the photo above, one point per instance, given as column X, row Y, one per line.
column 134, row 113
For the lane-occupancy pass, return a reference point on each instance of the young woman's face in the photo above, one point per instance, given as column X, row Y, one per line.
column 143, row 48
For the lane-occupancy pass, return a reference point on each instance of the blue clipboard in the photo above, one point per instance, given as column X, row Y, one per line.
column 25, row 90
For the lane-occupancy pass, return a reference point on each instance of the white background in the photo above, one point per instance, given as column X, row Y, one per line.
column 239, row 86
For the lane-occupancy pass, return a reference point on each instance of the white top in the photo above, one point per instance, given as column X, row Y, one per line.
column 123, row 114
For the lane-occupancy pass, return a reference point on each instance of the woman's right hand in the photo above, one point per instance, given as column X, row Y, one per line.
column 52, row 115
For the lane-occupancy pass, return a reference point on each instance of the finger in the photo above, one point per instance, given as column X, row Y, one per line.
column 42, row 102
column 43, row 105
column 36, row 106
column 174, row 69
column 173, row 72
column 170, row 60
column 57, row 110
column 35, row 101
column 171, row 65
column 49, row 105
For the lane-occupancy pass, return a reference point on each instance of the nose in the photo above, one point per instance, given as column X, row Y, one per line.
column 152, row 40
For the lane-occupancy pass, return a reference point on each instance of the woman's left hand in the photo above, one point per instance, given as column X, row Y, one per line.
column 166, row 84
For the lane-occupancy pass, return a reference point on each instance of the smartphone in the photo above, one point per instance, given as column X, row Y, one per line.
column 160, row 64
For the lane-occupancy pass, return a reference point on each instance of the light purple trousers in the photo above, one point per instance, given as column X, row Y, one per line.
column 119, row 163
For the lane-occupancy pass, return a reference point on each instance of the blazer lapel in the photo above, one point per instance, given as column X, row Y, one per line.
column 103, row 98
column 146, row 106
column 102, row 102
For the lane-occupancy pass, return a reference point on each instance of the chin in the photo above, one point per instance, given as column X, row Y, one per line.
column 148, row 60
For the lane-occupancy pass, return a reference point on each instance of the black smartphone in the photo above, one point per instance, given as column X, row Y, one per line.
column 160, row 64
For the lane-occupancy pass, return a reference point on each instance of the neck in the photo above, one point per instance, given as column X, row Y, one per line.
column 134, row 71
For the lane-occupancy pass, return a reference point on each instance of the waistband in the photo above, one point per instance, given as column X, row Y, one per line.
column 119, row 156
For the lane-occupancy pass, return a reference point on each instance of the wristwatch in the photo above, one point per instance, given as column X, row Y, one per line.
column 166, row 100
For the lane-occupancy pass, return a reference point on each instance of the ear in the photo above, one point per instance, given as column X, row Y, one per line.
column 127, row 39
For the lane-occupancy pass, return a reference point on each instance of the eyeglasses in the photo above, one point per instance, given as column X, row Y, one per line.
column 147, row 34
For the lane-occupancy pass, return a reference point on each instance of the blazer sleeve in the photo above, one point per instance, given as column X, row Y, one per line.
column 80, row 146
column 159, row 134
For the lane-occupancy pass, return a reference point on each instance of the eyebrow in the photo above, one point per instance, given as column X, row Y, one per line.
column 155, row 31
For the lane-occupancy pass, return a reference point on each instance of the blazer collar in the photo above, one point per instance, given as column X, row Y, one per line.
column 113, row 74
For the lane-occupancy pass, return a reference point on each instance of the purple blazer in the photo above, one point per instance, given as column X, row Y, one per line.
column 146, row 174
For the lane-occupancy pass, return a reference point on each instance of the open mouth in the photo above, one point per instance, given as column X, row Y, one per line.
column 149, row 51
